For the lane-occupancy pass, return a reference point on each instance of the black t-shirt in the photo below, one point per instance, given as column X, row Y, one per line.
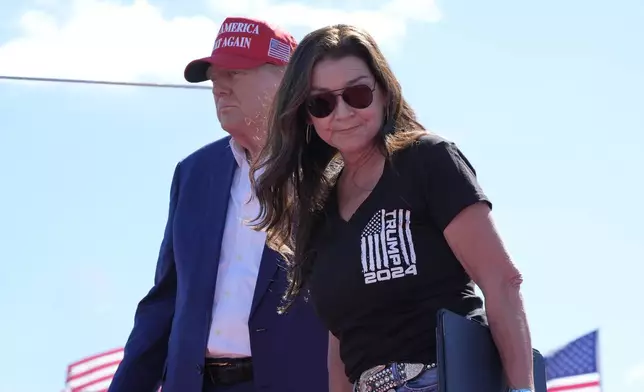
column 379, row 279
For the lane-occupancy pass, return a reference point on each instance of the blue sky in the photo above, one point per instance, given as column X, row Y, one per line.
column 545, row 98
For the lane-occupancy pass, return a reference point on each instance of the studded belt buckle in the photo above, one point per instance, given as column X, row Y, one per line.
column 386, row 378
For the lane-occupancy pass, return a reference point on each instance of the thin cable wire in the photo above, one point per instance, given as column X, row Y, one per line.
column 103, row 82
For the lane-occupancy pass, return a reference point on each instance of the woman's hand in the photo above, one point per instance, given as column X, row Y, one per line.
column 338, row 381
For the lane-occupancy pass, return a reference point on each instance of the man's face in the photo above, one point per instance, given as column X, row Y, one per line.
column 243, row 97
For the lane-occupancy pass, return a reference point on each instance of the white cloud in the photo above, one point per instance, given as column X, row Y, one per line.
column 386, row 22
column 635, row 377
column 103, row 39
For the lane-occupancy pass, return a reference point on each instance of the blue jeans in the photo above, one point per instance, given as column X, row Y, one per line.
column 427, row 381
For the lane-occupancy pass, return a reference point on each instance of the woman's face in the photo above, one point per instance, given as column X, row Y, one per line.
column 345, row 106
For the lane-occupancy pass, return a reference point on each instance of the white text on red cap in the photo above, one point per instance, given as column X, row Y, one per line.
column 236, row 41
column 239, row 27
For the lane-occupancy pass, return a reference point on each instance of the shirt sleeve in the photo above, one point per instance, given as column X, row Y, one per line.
column 450, row 182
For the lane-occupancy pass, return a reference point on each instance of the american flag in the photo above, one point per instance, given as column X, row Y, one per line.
column 573, row 368
column 279, row 50
column 94, row 373
column 386, row 241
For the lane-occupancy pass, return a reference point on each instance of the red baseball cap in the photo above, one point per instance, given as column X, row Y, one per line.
column 244, row 43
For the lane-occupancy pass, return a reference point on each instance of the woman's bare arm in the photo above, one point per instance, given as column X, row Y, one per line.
column 476, row 243
column 338, row 381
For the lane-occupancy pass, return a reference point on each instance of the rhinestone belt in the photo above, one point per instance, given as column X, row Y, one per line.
column 386, row 378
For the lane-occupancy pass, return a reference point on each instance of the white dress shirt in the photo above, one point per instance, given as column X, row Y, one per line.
column 241, row 254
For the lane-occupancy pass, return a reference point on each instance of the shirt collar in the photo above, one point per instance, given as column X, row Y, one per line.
column 238, row 152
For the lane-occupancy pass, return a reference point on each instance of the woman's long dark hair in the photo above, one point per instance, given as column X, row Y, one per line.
column 298, row 175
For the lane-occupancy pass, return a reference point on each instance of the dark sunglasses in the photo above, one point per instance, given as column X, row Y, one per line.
column 358, row 97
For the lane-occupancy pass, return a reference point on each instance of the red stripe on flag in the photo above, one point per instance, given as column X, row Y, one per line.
column 87, row 359
column 574, row 386
column 90, row 383
column 95, row 371
column 92, row 370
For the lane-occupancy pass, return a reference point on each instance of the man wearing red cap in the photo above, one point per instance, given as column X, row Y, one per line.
column 210, row 321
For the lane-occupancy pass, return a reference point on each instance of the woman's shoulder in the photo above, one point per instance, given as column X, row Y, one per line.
column 424, row 146
column 429, row 141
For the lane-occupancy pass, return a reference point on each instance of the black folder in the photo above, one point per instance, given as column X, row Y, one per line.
column 468, row 359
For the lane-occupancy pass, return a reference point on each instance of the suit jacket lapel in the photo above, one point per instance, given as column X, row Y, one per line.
column 213, row 221
column 265, row 277
column 213, row 217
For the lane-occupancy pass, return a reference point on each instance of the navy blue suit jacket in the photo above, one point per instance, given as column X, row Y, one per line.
column 172, row 322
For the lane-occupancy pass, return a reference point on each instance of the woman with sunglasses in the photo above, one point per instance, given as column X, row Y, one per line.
column 382, row 222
